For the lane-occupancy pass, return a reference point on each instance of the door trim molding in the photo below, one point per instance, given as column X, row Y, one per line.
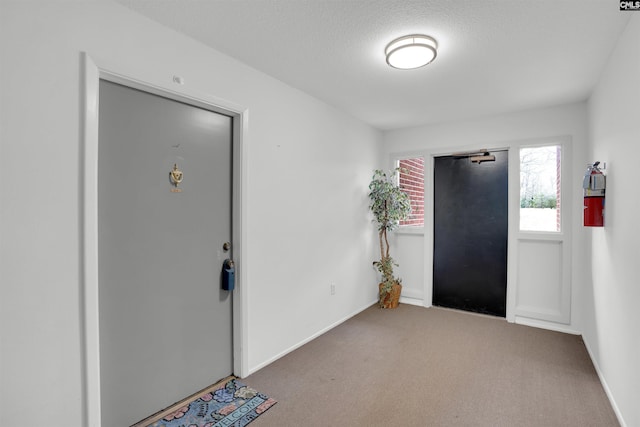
column 88, row 220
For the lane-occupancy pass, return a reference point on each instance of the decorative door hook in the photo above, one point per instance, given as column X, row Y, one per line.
column 176, row 176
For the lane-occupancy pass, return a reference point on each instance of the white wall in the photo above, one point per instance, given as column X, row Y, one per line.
column 507, row 130
column 308, row 169
column 612, row 318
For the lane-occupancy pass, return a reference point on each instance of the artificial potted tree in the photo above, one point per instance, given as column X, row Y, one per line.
column 389, row 205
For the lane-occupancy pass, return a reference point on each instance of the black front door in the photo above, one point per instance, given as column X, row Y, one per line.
column 470, row 234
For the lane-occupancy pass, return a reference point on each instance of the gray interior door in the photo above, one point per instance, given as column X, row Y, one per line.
column 165, row 323
column 470, row 234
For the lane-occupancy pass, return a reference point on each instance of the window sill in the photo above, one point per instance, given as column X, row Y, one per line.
column 410, row 230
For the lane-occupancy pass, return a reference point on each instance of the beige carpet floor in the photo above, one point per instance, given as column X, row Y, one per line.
column 416, row 366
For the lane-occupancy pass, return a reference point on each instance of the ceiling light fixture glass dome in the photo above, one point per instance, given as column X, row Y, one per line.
column 411, row 52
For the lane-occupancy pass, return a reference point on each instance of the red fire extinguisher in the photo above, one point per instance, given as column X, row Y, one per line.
column 594, row 184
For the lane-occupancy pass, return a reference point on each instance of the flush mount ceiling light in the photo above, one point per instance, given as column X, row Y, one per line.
column 412, row 51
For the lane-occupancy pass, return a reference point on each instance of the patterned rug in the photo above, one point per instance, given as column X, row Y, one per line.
column 233, row 404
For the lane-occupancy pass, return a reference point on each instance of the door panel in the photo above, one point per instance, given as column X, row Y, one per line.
column 165, row 324
column 470, row 234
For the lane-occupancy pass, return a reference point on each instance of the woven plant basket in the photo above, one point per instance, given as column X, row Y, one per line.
column 392, row 299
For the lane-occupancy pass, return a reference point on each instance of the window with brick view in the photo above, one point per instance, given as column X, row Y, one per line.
column 412, row 182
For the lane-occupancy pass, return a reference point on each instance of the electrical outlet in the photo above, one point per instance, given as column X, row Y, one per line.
column 333, row 289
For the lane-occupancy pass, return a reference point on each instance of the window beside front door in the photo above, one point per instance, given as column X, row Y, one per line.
column 540, row 175
column 411, row 178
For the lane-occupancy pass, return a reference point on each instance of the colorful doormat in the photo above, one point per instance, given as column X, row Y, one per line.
column 232, row 404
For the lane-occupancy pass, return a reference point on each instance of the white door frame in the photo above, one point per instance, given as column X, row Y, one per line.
column 88, row 190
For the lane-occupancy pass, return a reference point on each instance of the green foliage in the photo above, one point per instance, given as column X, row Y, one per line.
column 539, row 201
column 389, row 205
column 385, row 267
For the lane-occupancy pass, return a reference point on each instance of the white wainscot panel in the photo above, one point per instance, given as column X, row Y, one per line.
column 543, row 290
column 409, row 254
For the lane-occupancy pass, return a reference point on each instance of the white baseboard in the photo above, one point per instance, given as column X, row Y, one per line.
column 607, row 390
column 311, row 338
column 411, row 301
column 543, row 324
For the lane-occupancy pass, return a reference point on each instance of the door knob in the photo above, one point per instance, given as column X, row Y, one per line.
column 226, row 246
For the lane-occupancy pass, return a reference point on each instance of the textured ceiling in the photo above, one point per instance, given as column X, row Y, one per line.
column 494, row 56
